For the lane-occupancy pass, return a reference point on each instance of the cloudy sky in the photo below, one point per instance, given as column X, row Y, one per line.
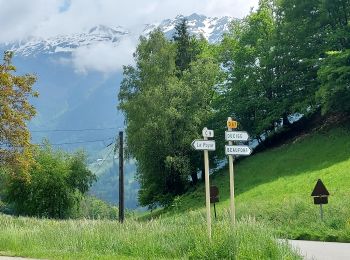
column 45, row 18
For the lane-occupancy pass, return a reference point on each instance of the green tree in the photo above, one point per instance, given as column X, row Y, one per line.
column 164, row 114
column 246, row 56
column 58, row 182
column 334, row 75
column 15, row 112
column 187, row 47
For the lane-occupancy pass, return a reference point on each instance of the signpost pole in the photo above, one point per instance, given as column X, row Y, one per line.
column 321, row 211
column 207, row 189
column 232, row 186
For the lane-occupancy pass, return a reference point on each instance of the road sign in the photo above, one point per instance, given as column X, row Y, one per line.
column 204, row 145
column 320, row 189
column 214, row 194
column 320, row 200
column 232, row 124
column 237, row 150
column 207, row 133
column 236, row 136
column 320, row 194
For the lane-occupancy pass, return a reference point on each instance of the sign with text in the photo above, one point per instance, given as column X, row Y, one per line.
column 236, row 136
column 237, row 150
column 204, row 145
column 232, row 124
column 207, row 133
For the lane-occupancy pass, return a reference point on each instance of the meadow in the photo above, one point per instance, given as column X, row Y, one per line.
column 178, row 237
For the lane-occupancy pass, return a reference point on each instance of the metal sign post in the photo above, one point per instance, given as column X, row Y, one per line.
column 206, row 145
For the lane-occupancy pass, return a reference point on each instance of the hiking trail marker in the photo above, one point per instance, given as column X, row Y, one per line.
column 206, row 145
column 232, row 150
column 214, row 196
column 320, row 194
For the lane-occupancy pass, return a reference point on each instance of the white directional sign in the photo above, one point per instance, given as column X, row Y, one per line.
column 236, row 136
column 207, row 133
column 203, row 145
column 237, row 150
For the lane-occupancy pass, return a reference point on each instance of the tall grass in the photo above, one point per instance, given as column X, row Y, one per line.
column 177, row 237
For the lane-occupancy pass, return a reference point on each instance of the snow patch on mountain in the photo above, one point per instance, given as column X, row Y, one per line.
column 68, row 43
column 212, row 28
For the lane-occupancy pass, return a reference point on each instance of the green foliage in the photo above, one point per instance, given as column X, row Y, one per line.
column 179, row 237
column 187, row 47
column 334, row 75
column 57, row 183
column 165, row 111
column 92, row 208
column 15, row 112
column 246, row 55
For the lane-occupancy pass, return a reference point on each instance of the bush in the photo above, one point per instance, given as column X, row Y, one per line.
column 56, row 184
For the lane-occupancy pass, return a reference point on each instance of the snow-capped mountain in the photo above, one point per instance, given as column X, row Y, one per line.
column 68, row 43
column 211, row 28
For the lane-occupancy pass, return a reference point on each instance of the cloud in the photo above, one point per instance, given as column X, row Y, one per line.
column 104, row 57
column 19, row 19
column 22, row 18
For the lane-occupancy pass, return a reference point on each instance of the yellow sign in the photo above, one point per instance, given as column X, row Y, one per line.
column 232, row 124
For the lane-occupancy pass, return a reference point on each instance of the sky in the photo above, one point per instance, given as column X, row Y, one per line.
column 46, row 18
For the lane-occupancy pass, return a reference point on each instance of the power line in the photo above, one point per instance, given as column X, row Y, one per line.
column 103, row 160
column 79, row 142
column 74, row 130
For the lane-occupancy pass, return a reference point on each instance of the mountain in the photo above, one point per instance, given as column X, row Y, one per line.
column 78, row 85
column 211, row 28
column 67, row 43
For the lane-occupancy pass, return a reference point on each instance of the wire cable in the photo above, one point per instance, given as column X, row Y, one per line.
column 73, row 130
column 80, row 142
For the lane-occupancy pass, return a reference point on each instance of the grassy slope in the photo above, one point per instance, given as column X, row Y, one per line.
column 275, row 186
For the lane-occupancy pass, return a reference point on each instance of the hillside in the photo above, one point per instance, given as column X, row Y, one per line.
column 275, row 186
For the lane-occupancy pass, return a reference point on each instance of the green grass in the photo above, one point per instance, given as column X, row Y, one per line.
column 177, row 237
column 275, row 187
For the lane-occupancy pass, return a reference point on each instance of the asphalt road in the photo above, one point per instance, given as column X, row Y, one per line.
column 314, row 250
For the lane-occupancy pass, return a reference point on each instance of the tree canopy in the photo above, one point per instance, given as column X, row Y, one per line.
column 165, row 111
column 15, row 112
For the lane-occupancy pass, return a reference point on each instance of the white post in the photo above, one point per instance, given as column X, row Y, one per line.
column 232, row 186
column 207, row 189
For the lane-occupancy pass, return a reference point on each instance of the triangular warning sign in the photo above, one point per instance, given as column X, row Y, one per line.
column 320, row 189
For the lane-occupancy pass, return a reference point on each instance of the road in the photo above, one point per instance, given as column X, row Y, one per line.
column 314, row 250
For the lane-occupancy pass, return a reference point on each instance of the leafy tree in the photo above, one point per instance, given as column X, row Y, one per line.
column 58, row 182
column 246, row 56
column 164, row 114
column 15, row 112
column 334, row 75
column 187, row 47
